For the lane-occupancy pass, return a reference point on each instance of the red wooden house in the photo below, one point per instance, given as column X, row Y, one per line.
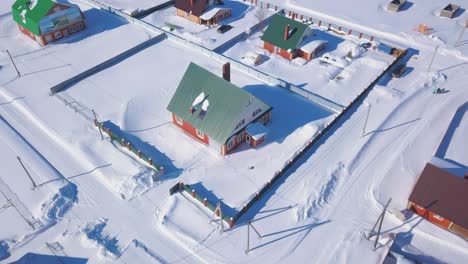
column 46, row 21
column 217, row 113
column 204, row 12
column 440, row 197
column 291, row 39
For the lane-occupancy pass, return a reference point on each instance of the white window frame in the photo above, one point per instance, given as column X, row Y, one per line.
column 49, row 38
column 240, row 137
column 200, row 134
column 230, row 143
column 438, row 217
column 72, row 29
column 58, row 34
column 248, row 139
column 179, row 120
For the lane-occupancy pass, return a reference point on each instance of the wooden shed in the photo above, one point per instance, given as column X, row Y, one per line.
column 440, row 197
column 46, row 21
column 449, row 11
column 395, row 5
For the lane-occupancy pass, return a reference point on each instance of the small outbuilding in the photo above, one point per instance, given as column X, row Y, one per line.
column 46, row 21
column 291, row 39
column 396, row 5
column 217, row 113
column 440, row 197
column 449, row 11
column 204, row 12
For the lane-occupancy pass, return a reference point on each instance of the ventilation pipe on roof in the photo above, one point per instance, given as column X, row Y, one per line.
column 286, row 32
column 227, row 71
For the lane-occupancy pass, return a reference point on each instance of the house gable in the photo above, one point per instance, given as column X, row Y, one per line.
column 275, row 32
column 28, row 14
column 194, row 7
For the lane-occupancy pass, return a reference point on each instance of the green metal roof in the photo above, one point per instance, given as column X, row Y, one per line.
column 32, row 16
column 226, row 103
column 274, row 34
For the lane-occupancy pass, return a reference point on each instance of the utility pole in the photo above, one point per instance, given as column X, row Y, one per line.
column 220, row 214
column 379, row 222
column 12, row 61
column 248, row 238
column 97, row 124
column 249, row 225
column 462, row 33
column 27, row 173
column 432, row 60
column 365, row 123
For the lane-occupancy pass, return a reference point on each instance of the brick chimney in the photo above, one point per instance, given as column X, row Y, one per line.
column 227, row 71
column 286, row 32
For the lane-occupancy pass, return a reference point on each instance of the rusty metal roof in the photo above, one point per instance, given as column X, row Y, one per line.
column 442, row 193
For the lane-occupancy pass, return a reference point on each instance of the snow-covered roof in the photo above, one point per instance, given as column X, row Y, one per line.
column 256, row 130
column 313, row 45
column 211, row 12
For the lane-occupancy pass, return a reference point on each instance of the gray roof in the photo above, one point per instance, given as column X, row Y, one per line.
column 227, row 102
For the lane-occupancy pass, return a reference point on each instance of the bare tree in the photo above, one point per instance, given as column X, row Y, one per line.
column 260, row 15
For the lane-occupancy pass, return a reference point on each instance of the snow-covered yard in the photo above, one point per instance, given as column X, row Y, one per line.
column 131, row 6
column 243, row 18
column 320, row 213
column 399, row 26
column 337, row 84
column 137, row 102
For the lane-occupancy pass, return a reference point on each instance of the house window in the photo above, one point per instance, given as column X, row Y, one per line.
column 58, row 34
column 263, row 119
column 72, row 29
column 200, row 134
column 179, row 120
column 230, row 143
column 48, row 38
column 256, row 112
column 240, row 136
column 241, row 123
column 79, row 27
column 438, row 217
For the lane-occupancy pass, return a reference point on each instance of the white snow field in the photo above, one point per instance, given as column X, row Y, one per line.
column 321, row 211
column 131, row 6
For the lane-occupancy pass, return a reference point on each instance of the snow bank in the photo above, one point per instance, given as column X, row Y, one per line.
column 310, row 204
column 60, row 203
column 93, row 233
column 4, row 250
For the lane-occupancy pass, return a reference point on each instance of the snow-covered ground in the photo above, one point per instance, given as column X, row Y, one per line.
column 131, row 6
column 184, row 158
column 243, row 18
column 320, row 213
column 373, row 17
column 337, row 84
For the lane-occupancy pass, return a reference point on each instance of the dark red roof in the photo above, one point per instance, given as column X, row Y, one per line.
column 442, row 193
column 196, row 9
